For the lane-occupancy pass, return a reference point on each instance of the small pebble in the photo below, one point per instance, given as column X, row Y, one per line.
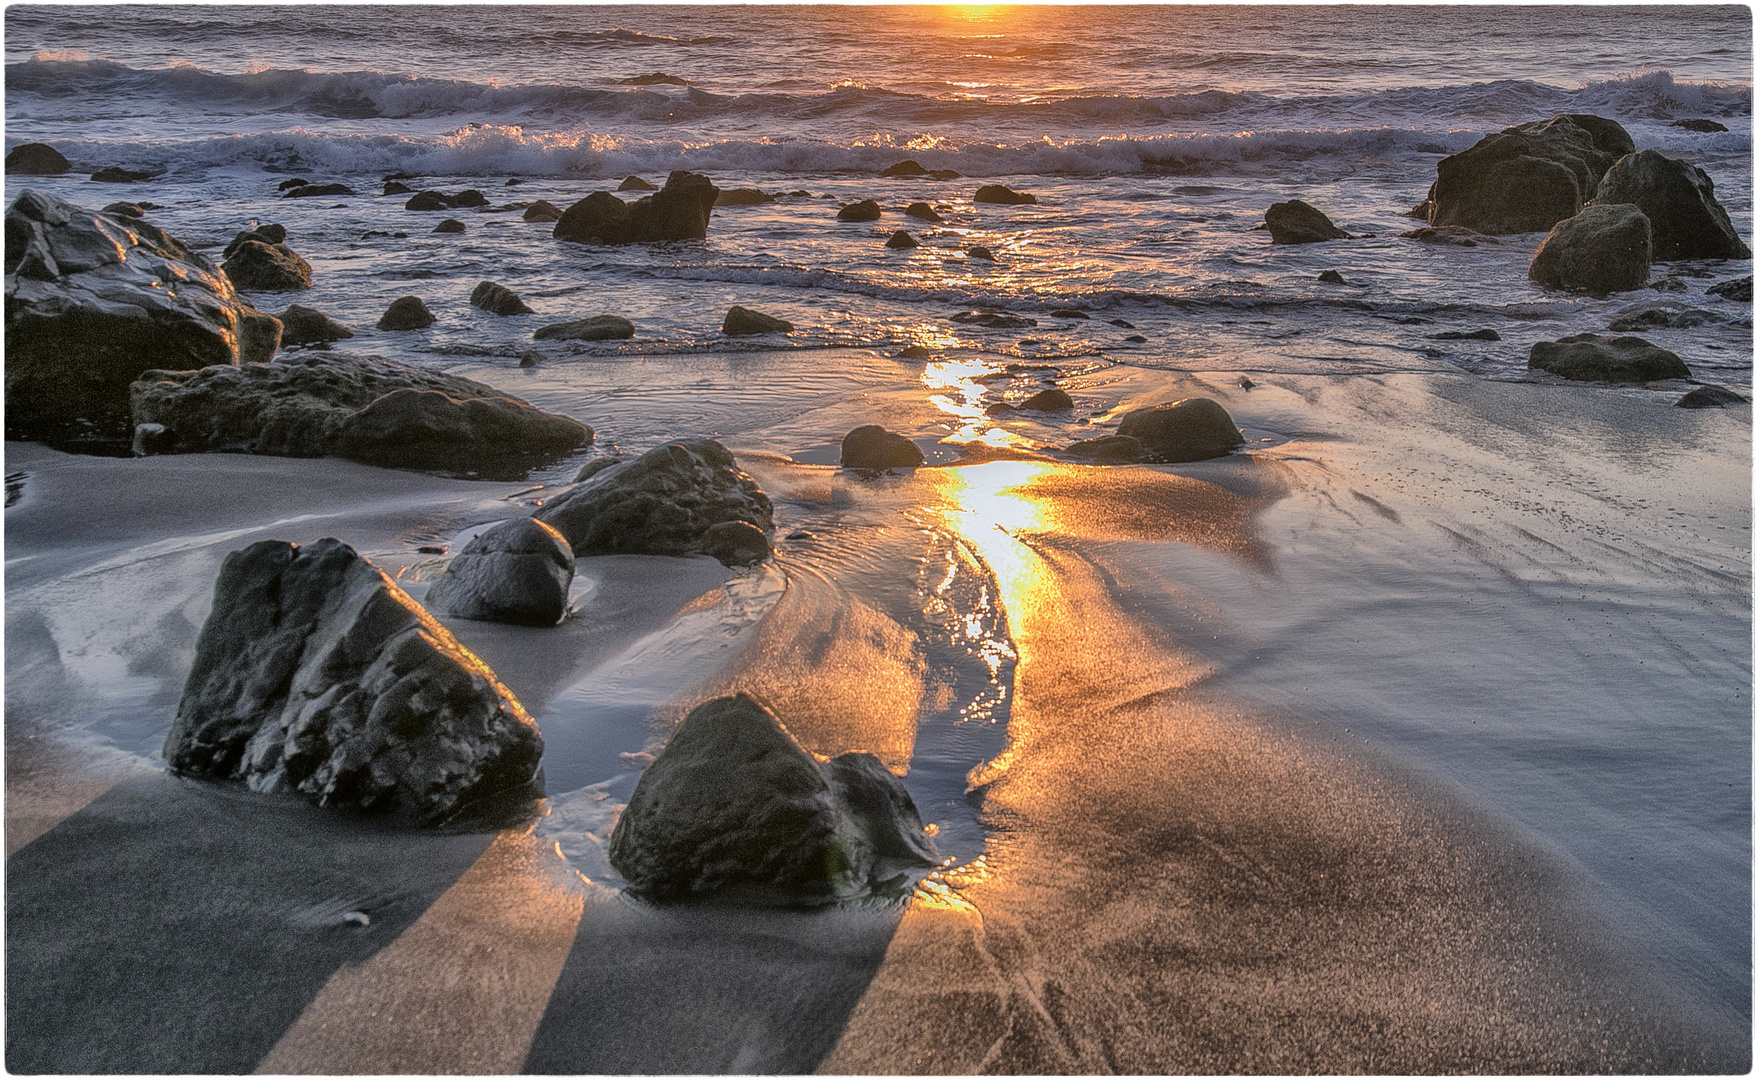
column 530, row 358
column 1245, row 382
column 801, row 535
column 431, row 549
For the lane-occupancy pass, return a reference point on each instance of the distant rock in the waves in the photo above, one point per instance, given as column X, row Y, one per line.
column 1710, row 397
column 114, row 175
column 996, row 320
column 1736, row 289
column 365, row 408
column 1136, row 339
column 1465, row 335
column 1670, row 283
column 517, row 572
column 678, row 211
column 1529, row 177
column 126, row 209
column 907, row 167
column 542, row 210
column 943, row 174
column 1660, row 318
column 980, row 252
column 1704, row 126
column 1109, row 450
column 397, row 187
column 1332, row 277
column 87, row 311
column 512, row 181
column 743, row 197
column 1450, row 236
column 1068, row 313
column 406, row 313
column 872, row 447
column 305, row 326
column 1051, row 400
column 1601, row 250
column 864, row 210
column 315, row 673
column 35, row 159
column 1003, row 196
column 1594, row 358
column 635, row 183
column 497, row 299
column 1678, row 198
column 1189, row 430
column 665, row 502
column 307, row 191
column 1124, row 323
column 914, row 352
column 450, row 225
column 657, row 78
column 735, row 810
column 922, row 212
column 262, row 265
column 901, row 239
column 596, row 328
column 1297, row 222
column 741, row 322
column 439, row 200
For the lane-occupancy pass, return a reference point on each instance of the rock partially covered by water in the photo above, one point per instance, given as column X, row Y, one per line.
column 1189, row 430
column 1528, row 177
column 743, row 197
column 257, row 266
column 864, row 210
column 1678, row 198
column 1710, row 397
column 1600, row 250
column 901, row 239
column 497, row 299
column 1595, row 358
column 517, row 572
column 595, row 328
column 906, row 167
column 735, row 810
column 1003, row 195
column 635, row 183
column 542, row 210
column 678, row 211
column 314, row 673
column 922, row 212
column 1703, row 126
column 740, row 322
column 665, row 502
column 378, row 411
column 1736, row 289
column 1109, row 450
column 872, row 447
column 406, row 313
column 87, row 311
column 41, row 159
column 307, row 326
column 1299, row 222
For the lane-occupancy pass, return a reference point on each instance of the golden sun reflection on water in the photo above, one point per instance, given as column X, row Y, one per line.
column 960, row 396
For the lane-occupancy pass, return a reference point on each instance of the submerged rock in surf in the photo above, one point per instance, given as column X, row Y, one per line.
column 735, row 810
column 1528, row 177
column 1701, row 126
column 906, row 167
column 517, row 572
column 922, row 212
column 665, row 502
column 872, row 447
column 87, row 311
column 260, row 265
column 743, row 322
column 902, row 240
column 635, row 183
column 497, row 299
column 743, row 197
column 314, row 673
column 1053, row 399
column 678, row 211
column 1109, row 450
column 1002, row 195
column 1736, row 289
column 1298, row 222
column 594, row 328
column 1450, row 236
column 864, row 210
column 366, row 408
column 1678, row 198
column 307, row 326
column 1601, row 250
column 1711, row 397
column 1189, row 430
column 36, row 159
column 406, row 313
column 1595, row 358
column 542, row 210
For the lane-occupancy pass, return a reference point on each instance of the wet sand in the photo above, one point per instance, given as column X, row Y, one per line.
column 1170, row 862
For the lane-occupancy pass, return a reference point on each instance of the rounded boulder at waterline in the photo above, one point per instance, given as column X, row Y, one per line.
column 1189, row 430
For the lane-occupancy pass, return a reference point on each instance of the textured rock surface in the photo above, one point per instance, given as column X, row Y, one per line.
column 662, row 503
column 87, row 312
column 542, row 210
column 734, row 809
column 35, row 159
column 901, row 239
column 1736, row 289
column 497, row 299
column 1005, row 196
column 595, row 328
column 922, row 212
column 1710, row 397
column 406, row 313
column 1593, row 357
column 308, row 326
column 517, row 572
column 678, row 211
column 906, row 167
column 1528, row 177
column 1600, row 250
column 450, row 225
column 635, row 183
column 1187, row 430
column 1109, row 450
column 1297, row 222
column 315, row 673
column 362, row 407
column 743, row 322
column 872, row 447
column 864, row 210
column 255, row 266
column 1678, row 198
column 743, row 197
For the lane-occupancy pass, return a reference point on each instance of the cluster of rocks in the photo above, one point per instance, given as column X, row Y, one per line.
column 678, row 211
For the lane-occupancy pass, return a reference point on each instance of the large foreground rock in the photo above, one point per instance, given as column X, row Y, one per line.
column 1678, row 198
column 379, row 411
column 517, row 572
column 314, row 673
column 664, row 502
column 872, row 447
column 41, row 159
column 1595, row 358
column 1528, row 177
column 1189, row 430
column 1600, row 250
column 734, row 810
column 87, row 311
column 678, row 211
column 1298, row 222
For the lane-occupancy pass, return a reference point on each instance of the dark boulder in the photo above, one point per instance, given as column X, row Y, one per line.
column 428, row 200
column 1465, row 335
column 406, row 313
column 902, row 240
column 254, row 266
column 980, row 252
column 743, row 322
column 907, row 167
column 1450, row 236
column 922, row 212
column 1704, row 126
column 517, row 572
column 1109, row 450
column 307, row 191
column 635, row 183
column 944, row 174
column 542, row 210
column 397, row 187
column 450, row 225
column 1710, row 397
column 87, row 311
column 114, row 175
column 126, row 209
column 914, row 352
column 1052, row 400
column 1332, row 277
column 996, row 320
column 1601, row 250
column 369, row 409
column 1296, row 222
column 1068, row 313
column 872, row 447
column 1189, row 430
column 664, row 502
column 1529, row 177
column 743, row 197
column 1736, row 289
column 1593, row 358
column 1678, row 198
column 734, row 809
column 35, row 159
column 306, row 326
column 678, row 211
column 1004, row 196
column 314, row 673
column 736, row 543
column 469, row 197
column 497, row 299
column 262, row 234
column 864, row 210
column 596, row 328
column 656, row 78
